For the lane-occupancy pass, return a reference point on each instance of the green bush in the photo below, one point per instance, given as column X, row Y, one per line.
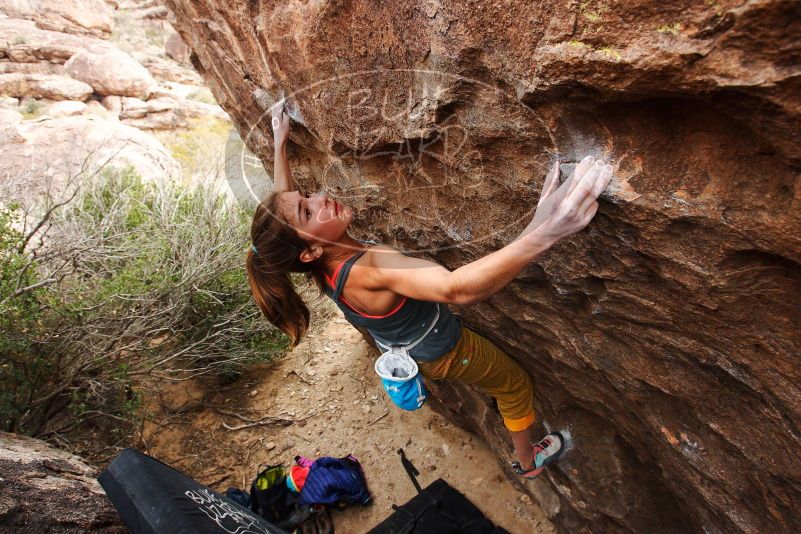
column 127, row 279
column 30, row 108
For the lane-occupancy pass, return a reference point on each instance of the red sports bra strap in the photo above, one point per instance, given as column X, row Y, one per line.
column 342, row 271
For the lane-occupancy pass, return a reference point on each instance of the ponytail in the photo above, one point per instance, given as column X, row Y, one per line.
column 276, row 254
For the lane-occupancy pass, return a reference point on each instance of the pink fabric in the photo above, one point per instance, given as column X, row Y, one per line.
column 303, row 461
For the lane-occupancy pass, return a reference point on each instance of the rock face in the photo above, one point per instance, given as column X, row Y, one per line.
column 43, row 490
column 666, row 336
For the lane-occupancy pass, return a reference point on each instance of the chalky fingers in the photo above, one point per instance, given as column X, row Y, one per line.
column 598, row 187
column 569, row 184
column 551, row 182
column 585, row 185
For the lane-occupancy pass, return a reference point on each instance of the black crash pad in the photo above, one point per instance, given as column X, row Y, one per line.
column 153, row 498
column 437, row 509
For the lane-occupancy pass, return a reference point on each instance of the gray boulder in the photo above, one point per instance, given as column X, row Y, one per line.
column 45, row 490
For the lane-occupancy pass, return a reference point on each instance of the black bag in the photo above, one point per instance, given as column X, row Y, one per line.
column 269, row 495
column 437, row 509
column 153, row 498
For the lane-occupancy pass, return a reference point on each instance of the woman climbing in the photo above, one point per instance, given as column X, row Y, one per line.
column 397, row 297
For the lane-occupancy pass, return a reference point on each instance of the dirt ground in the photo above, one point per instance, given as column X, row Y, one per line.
column 333, row 405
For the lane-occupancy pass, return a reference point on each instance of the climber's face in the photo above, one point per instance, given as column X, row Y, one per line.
column 318, row 219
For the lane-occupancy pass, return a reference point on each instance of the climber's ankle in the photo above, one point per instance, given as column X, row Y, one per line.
column 527, row 465
column 527, row 459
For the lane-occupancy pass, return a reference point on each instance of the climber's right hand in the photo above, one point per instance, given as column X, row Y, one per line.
column 567, row 209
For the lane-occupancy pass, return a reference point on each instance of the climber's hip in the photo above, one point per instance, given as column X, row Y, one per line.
column 476, row 360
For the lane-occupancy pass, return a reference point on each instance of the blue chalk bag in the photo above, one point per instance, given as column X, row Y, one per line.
column 400, row 375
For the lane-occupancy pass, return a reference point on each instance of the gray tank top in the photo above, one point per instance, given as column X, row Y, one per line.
column 403, row 325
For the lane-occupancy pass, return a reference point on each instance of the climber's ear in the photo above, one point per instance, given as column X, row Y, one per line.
column 311, row 254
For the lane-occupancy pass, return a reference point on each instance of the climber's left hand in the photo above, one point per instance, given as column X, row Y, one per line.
column 280, row 122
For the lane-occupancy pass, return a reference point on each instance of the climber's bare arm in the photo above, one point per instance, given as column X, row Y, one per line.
column 425, row 280
column 562, row 210
column 282, row 176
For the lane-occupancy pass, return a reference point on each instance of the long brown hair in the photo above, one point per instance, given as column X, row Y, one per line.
column 277, row 253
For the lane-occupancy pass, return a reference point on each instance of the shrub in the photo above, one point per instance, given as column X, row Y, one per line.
column 30, row 108
column 123, row 279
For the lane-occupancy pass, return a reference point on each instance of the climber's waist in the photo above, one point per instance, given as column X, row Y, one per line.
column 439, row 341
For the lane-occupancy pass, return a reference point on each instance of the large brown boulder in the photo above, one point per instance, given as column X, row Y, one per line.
column 666, row 337
column 45, row 490
column 111, row 71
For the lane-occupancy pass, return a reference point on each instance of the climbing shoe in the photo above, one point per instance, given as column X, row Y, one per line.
column 546, row 451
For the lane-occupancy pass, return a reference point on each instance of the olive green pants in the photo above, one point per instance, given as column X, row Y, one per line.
column 477, row 361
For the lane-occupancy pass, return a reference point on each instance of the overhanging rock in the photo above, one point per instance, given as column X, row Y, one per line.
column 665, row 337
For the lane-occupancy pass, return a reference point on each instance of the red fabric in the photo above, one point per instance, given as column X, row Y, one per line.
column 298, row 476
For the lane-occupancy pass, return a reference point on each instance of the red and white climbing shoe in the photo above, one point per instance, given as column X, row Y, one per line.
column 546, row 451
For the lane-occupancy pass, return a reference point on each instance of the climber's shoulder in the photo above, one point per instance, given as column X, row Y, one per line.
column 383, row 256
column 387, row 268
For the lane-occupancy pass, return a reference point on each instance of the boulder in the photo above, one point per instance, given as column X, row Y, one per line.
column 55, row 149
column 164, row 112
column 14, row 85
column 8, row 131
column 8, row 102
column 9, row 117
column 126, row 78
column 66, row 108
column 37, row 67
column 57, row 87
column 113, row 103
column 44, row 489
column 87, row 17
column 157, row 12
column 165, row 71
column 134, row 108
column 182, row 91
column 665, row 338
column 176, row 48
column 24, row 42
column 50, row 86
column 96, row 108
column 202, row 109
column 166, row 120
